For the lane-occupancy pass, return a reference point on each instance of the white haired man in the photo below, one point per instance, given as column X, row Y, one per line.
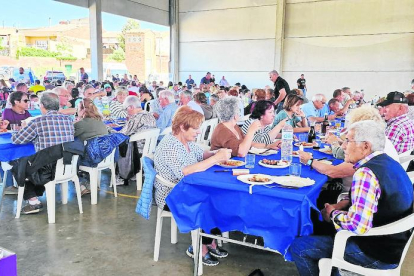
column 400, row 129
column 381, row 193
column 313, row 109
column 168, row 109
column 186, row 98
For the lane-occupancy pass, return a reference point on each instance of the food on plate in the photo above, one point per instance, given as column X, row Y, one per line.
column 275, row 162
column 295, row 153
column 232, row 163
column 113, row 125
column 326, row 150
column 259, row 178
column 305, row 144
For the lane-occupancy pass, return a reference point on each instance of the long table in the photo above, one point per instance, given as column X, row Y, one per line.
column 210, row 199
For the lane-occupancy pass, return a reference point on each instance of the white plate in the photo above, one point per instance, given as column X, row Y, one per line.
column 232, row 167
column 326, row 150
column 327, row 162
column 273, row 166
column 305, row 147
column 245, row 179
column 260, row 151
column 293, row 181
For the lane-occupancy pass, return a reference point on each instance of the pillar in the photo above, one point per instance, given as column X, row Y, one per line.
column 95, row 23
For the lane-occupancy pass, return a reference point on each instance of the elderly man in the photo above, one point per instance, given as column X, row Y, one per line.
column 186, row 98
column 281, row 89
column 64, row 97
column 48, row 130
column 168, row 105
column 347, row 95
column 312, row 109
column 381, row 193
column 400, row 129
column 340, row 96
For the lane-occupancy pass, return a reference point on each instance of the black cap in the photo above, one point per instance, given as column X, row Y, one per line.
column 394, row 97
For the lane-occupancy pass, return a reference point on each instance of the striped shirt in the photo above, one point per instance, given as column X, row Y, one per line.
column 117, row 110
column 261, row 136
column 400, row 131
column 365, row 194
column 46, row 131
column 137, row 123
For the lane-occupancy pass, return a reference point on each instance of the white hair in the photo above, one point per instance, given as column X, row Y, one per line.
column 59, row 89
column 370, row 131
column 132, row 101
column 227, row 108
column 166, row 94
column 318, row 97
column 187, row 94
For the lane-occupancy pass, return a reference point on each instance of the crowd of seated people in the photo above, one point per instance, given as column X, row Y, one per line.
column 375, row 136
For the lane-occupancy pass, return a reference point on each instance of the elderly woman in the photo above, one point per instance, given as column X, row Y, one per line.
column 178, row 155
column 264, row 112
column 116, row 105
column 228, row 134
column 18, row 111
column 292, row 112
column 201, row 100
column 138, row 119
column 89, row 122
column 258, row 95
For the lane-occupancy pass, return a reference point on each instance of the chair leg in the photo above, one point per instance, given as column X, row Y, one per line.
column 139, row 178
column 225, row 235
column 113, row 180
column 93, row 175
column 19, row 201
column 51, row 201
column 158, row 231
column 64, row 188
column 99, row 178
column 173, row 231
column 78, row 193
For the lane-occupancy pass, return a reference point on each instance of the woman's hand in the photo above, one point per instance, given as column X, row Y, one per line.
column 300, row 113
column 222, row 155
column 276, row 145
column 304, row 156
column 3, row 124
column 255, row 126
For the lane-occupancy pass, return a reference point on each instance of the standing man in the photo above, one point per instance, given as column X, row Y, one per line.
column 302, row 83
column 189, row 82
column 84, row 76
column 224, row 82
column 206, row 79
column 281, row 89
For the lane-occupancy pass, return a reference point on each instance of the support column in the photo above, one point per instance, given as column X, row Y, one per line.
column 280, row 35
column 95, row 23
column 174, row 39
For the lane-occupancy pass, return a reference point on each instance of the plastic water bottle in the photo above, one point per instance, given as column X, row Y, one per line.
column 287, row 139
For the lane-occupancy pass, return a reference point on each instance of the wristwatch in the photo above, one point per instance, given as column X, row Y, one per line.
column 310, row 161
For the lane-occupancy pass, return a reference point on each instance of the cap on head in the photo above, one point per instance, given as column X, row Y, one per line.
column 394, row 97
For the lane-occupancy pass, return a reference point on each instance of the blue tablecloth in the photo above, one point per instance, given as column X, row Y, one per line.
column 10, row 151
column 207, row 200
column 35, row 112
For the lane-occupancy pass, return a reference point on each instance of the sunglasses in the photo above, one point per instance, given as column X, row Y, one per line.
column 26, row 101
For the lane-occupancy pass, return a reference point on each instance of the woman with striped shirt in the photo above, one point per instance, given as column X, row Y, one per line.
column 116, row 106
column 264, row 112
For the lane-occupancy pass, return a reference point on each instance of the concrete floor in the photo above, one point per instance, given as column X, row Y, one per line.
column 111, row 239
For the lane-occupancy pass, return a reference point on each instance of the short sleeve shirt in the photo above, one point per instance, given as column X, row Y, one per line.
column 310, row 110
column 170, row 158
column 302, row 83
column 281, row 83
column 282, row 115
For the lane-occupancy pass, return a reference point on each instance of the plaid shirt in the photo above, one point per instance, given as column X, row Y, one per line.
column 365, row 193
column 46, row 131
column 400, row 131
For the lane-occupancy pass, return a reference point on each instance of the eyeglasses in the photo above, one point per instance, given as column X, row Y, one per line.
column 350, row 141
column 26, row 101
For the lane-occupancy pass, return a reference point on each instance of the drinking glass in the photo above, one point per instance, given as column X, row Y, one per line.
column 250, row 160
column 14, row 127
column 318, row 128
column 295, row 169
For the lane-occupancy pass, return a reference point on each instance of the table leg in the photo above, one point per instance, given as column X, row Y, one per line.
column 197, row 251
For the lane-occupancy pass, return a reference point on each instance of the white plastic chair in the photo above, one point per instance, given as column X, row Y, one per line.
column 325, row 265
column 63, row 174
column 405, row 159
column 6, row 167
column 95, row 175
column 212, row 123
column 161, row 214
column 150, row 136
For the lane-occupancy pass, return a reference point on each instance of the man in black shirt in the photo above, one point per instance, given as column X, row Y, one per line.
column 281, row 89
column 302, row 83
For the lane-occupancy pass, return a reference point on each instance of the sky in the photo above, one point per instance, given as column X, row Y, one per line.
column 36, row 13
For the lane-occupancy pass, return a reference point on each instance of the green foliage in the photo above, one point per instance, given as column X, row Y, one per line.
column 70, row 57
column 131, row 24
column 35, row 52
column 118, row 55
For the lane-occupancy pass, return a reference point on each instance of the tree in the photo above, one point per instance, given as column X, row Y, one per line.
column 131, row 24
column 118, row 55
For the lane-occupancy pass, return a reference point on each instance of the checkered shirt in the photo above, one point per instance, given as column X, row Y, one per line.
column 46, row 131
column 400, row 131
